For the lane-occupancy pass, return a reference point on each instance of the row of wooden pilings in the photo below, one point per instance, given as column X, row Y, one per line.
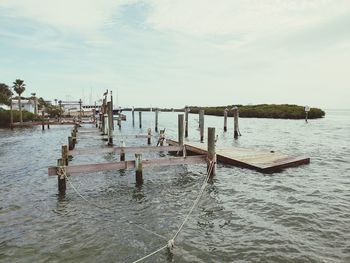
column 235, row 111
column 62, row 168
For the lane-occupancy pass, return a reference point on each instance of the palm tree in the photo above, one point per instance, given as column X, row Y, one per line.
column 19, row 87
column 35, row 103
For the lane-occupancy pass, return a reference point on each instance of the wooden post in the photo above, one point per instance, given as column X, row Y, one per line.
column 201, row 124
column 149, row 133
column 133, row 116
column 74, row 137
column 138, row 167
column 225, row 120
column 161, row 138
column 307, row 109
column 110, row 120
column 11, row 114
column 60, row 104
column 120, row 120
column 105, row 124
column 70, row 143
column 140, row 119
column 156, row 122
column 80, row 112
column 186, row 121
column 61, row 176
column 42, row 119
column 48, row 122
column 122, row 153
column 211, row 151
column 64, row 153
column 235, row 126
column 180, row 119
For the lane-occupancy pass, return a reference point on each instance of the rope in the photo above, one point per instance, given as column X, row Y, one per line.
column 171, row 242
column 211, row 165
column 109, row 208
column 151, row 254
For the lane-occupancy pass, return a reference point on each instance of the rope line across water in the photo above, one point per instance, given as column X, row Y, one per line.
column 170, row 244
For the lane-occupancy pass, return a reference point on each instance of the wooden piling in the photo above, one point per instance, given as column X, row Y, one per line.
column 149, row 133
column 180, row 119
column 119, row 120
column 211, row 151
column 105, row 124
column 111, row 110
column 225, row 120
column 186, row 120
column 235, row 126
column 74, row 137
column 110, row 125
column 122, row 152
column 138, row 168
column 61, row 176
column 48, row 122
column 64, row 154
column 70, row 143
column 156, row 121
column 42, row 119
column 133, row 116
column 80, row 109
column 201, row 124
column 140, row 119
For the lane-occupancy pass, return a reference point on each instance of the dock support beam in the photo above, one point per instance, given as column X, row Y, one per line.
column 111, row 111
column 122, row 152
column 181, row 129
column 201, row 124
column 225, row 120
column 42, row 119
column 133, row 116
column 138, row 166
column 156, row 121
column 70, row 143
column 61, row 177
column 149, row 133
column 140, row 119
column 186, row 121
column 235, row 126
column 64, row 153
column 211, row 151
column 110, row 123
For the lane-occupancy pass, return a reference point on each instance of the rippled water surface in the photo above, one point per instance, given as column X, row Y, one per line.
column 301, row 214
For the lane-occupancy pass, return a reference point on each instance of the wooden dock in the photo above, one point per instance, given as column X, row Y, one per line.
column 259, row 160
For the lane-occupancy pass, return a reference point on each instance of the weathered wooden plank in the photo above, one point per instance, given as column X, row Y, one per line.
column 262, row 161
column 98, row 167
column 143, row 149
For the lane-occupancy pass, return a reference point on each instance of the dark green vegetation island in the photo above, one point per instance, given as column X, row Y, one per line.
column 272, row 111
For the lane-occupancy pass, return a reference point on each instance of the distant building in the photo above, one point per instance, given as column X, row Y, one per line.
column 27, row 105
column 4, row 107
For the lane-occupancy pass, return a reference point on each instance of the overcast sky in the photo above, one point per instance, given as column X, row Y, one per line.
column 170, row 53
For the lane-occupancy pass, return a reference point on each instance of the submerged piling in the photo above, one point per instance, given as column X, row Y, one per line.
column 201, row 124
column 138, row 168
column 235, row 126
column 156, row 120
column 61, row 178
column 211, row 167
column 225, row 120
column 140, row 119
column 186, row 120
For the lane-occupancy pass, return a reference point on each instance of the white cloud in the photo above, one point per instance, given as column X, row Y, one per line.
column 241, row 17
column 84, row 16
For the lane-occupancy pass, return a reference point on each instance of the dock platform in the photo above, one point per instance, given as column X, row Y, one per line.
column 259, row 160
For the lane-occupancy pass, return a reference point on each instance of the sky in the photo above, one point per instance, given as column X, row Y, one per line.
column 171, row 53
